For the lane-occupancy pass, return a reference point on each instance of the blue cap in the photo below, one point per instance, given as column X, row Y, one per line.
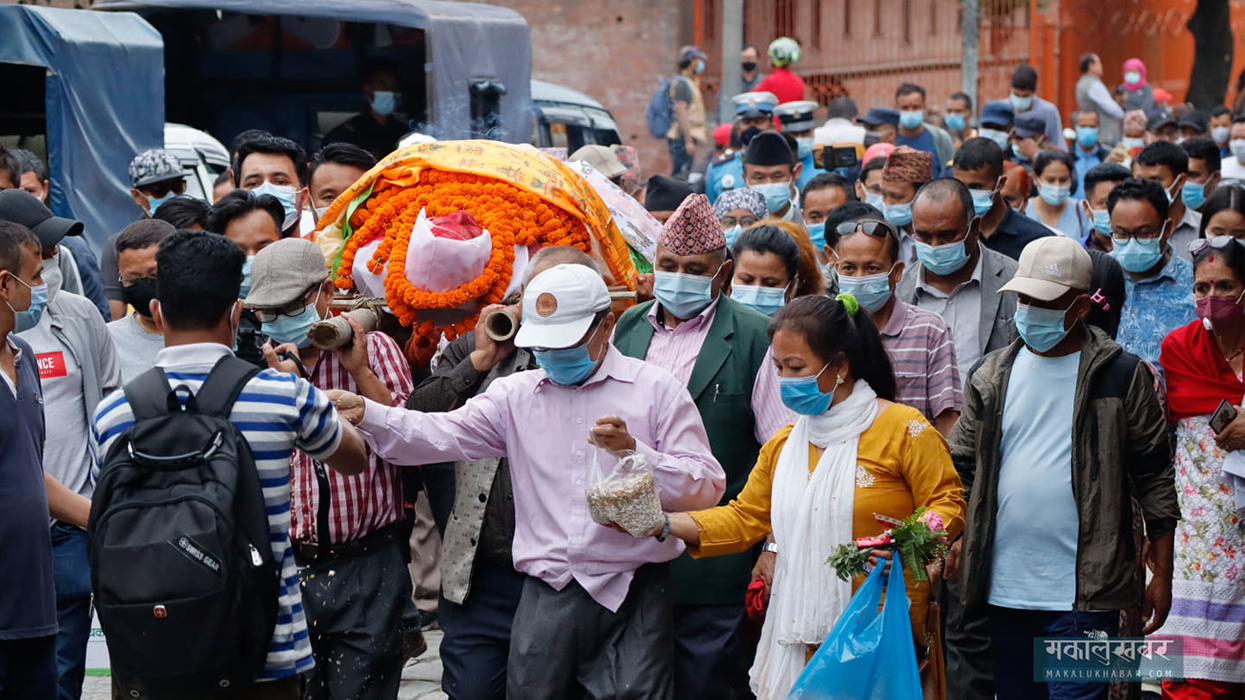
column 879, row 115
column 1029, row 125
column 754, row 104
column 997, row 113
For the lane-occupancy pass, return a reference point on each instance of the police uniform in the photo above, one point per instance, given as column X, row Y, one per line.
column 798, row 117
column 729, row 175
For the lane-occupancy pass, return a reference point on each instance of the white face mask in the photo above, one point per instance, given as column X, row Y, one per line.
column 52, row 276
column 1238, row 149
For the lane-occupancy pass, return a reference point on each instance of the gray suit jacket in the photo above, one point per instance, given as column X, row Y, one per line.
column 997, row 330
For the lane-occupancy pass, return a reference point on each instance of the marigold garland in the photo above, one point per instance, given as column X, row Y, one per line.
column 510, row 215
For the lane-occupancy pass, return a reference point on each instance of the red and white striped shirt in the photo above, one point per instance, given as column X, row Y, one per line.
column 366, row 502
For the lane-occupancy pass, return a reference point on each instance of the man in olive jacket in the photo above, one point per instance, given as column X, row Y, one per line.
column 1058, row 433
column 719, row 349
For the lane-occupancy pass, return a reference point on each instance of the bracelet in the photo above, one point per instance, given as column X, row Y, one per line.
column 665, row 531
column 770, row 547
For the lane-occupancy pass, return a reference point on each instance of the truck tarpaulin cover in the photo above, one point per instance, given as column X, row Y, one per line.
column 467, row 42
column 104, row 102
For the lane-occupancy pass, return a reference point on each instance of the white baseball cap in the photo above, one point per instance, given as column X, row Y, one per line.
column 559, row 305
column 1049, row 267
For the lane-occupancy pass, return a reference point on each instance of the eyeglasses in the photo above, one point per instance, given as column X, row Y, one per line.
column 128, row 280
column 160, row 189
column 1123, row 236
column 872, row 227
column 293, row 309
column 1216, row 242
column 743, row 222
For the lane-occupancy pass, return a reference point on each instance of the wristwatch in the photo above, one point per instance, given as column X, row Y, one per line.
column 770, row 547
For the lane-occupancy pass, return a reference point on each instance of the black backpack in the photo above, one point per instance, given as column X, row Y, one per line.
column 181, row 558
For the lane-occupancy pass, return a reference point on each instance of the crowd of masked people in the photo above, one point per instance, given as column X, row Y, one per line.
column 814, row 357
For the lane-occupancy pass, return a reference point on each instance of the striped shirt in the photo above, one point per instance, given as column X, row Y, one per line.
column 676, row 349
column 363, row 503
column 922, row 351
column 276, row 413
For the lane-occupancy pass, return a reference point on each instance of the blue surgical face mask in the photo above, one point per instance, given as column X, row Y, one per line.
column 700, row 66
column 153, row 203
column 1193, row 194
column 911, row 120
column 568, row 366
column 246, row 277
column 874, row 200
column 384, row 102
column 293, row 329
column 1054, row 195
column 732, row 233
column 805, row 147
column 777, row 194
column 898, row 214
column 955, row 121
column 25, row 320
column 983, row 200
column 1087, row 136
column 1020, row 157
column 817, row 234
column 942, row 259
column 681, row 294
column 1102, row 221
column 999, row 137
column 1041, row 329
column 767, row 300
column 802, row 395
column 287, row 195
column 872, row 291
column 1019, row 103
column 1138, row 254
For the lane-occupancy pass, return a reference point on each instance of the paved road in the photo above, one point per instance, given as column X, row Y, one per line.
column 421, row 679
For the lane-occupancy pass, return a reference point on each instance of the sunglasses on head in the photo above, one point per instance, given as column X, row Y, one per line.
column 871, row 227
column 1215, row 242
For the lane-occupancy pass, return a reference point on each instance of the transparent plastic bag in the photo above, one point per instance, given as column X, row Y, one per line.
column 624, row 493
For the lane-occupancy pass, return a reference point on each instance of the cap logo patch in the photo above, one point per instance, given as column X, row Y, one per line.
column 546, row 305
column 1053, row 269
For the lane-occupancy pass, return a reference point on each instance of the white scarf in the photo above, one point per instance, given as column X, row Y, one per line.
column 811, row 514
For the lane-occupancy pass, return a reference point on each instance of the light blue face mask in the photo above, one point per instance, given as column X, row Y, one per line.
column 153, row 203
column 683, row 295
column 246, row 277
column 1087, row 136
column 1020, row 157
column 1020, row 104
column 767, row 300
column 700, row 66
column 777, row 194
column 805, row 146
column 1102, row 220
column 983, row 200
column 732, row 233
column 293, row 329
column 955, row 121
column 25, row 320
column 568, row 366
column 1054, row 195
column 384, row 102
column 287, row 195
column 1041, row 329
column 911, row 120
column 999, row 137
column 817, row 234
column 942, row 259
column 872, row 291
column 898, row 214
column 802, row 395
column 874, row 200
column 1193, row 194
column 1137, row 254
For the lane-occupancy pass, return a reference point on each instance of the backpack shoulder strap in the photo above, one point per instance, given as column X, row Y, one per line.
column 223, row 386
column 148, row 395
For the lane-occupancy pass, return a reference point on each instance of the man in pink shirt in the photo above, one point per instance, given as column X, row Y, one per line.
column 595, row 616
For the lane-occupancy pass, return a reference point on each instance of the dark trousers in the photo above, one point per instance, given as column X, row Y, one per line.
column 477, row 635
column 28, row 669
column 71, row 572
column 709, row 661
column 1012, row 634
column 565, row 646
column 681, row 159
column 966, row 648
column 354, row 612
column 291, row 688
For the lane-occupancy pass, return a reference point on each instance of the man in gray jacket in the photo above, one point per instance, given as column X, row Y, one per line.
column 78, row 366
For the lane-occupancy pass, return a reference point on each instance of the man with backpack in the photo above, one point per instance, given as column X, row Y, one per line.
column 192, row 568
column 680, row 104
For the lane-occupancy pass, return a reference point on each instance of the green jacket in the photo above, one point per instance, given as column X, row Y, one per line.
column 1120, row 452
column 721, row 385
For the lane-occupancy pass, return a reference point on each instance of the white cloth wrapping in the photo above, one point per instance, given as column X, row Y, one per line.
column 1234, row 473
column 811, row 514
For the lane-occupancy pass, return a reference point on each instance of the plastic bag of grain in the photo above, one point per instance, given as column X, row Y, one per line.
column 624, row 493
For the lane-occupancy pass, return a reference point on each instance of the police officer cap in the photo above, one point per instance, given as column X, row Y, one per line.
column 875, row 116
column 796, row 116
column 996, row 113
column 1028, row 125
column 754, row 104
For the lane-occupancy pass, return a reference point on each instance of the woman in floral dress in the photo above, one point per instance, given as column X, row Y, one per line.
column 1202, row 363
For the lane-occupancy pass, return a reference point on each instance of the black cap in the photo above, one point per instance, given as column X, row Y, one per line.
column 876, row 116
column 21, row 207
column 665, row 193
column 1028, row 125
column 1195, row 119
column 1160, row 120
column 768, row 148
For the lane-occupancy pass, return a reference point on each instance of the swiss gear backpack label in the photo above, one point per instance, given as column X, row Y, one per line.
column 181, row 558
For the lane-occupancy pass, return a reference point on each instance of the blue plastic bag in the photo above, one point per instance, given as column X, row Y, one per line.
column 867, row 655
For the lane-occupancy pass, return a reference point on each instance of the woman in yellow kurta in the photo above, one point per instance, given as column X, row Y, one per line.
column 852, row 464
